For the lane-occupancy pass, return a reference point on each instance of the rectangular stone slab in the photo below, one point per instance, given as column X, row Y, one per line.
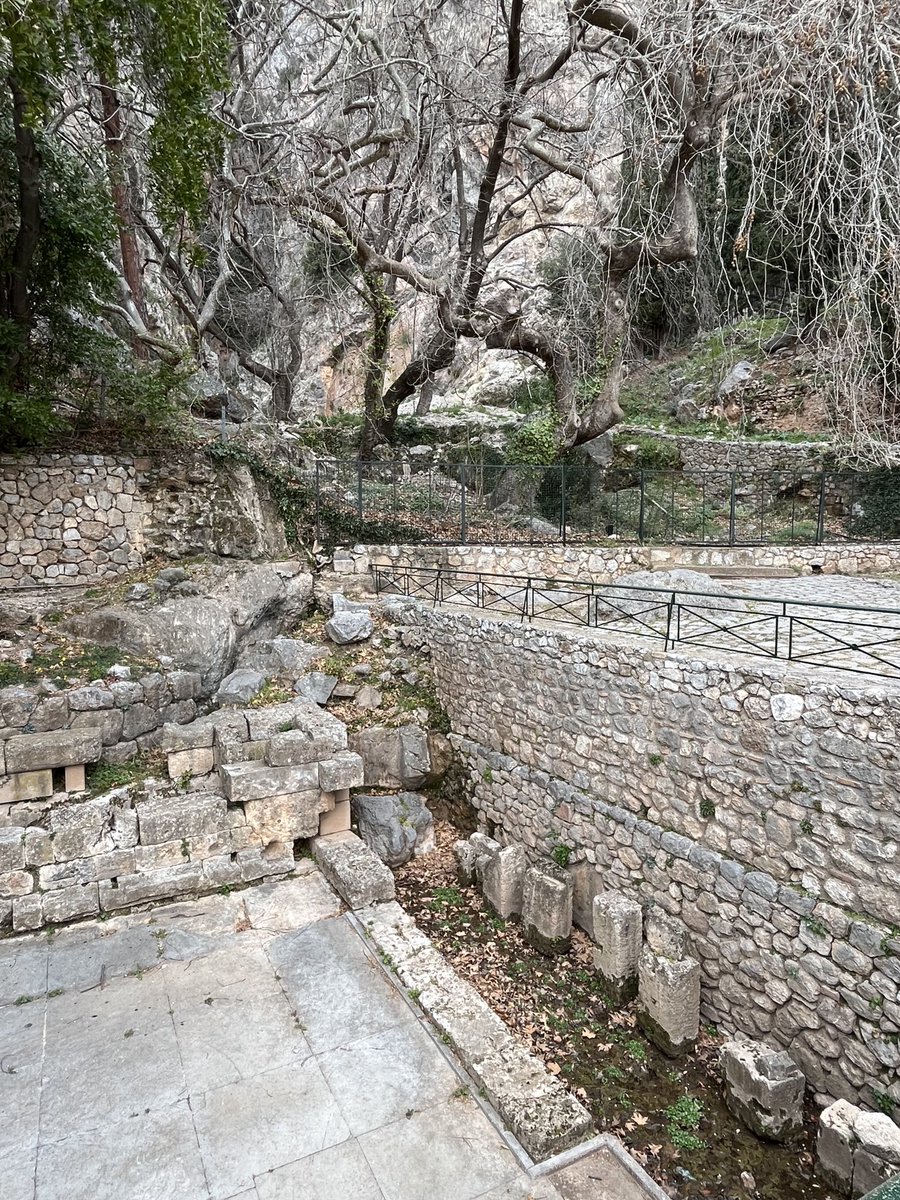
column 29, row 785
column 42, row 751
column 256, row 781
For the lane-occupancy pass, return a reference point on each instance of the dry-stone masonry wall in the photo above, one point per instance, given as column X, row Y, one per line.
column 82, row 518
column 716, row 454
column 759, row 806
column 605, row 563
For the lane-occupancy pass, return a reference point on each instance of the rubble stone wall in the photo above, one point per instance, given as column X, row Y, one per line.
column 605, row 563
column 83, row 518
column 758, row 805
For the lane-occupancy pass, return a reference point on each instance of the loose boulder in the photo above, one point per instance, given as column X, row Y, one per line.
column 345, row 628
column 239, row 687
column 395, row 828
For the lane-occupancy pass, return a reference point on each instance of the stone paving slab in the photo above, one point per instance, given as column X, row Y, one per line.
column 241, row 1047
column 237, row 1047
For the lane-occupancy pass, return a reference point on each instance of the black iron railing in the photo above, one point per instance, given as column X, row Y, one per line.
column 841, row 636
column 532, row 505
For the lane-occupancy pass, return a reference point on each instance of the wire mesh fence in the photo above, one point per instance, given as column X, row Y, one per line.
column 532, row 505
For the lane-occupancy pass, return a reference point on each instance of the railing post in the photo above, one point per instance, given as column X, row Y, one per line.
column 731, row 513
column 820, row 521
column 671, row 609
column 641, row 509
column 462, row 504
column 562, row 501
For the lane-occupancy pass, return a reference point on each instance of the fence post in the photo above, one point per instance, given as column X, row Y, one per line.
column 641, row 509
column 463, row 530
column 731, row 513
column 562, row 501
column 318, row 506
column 359, row 490
column 820, row 521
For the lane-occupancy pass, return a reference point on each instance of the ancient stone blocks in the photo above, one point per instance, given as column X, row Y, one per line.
column 393, row 757
column 617, row 937
column 763, row 1088
column 547, row 909
column 502, row 880
column 353, row 870
column 669, row 1001
column 856, row 1150
column 255, row 781
column 39, row 751
column 344, row 770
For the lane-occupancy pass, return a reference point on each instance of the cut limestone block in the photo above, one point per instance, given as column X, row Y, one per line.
column 352, row 869
column 669, row 1001
column 75, row 778
column 856, row 1151
column 190, row 762
column 835, row 1145
column 536, row 1106
column 28, row 785
column 198, row 735
column 393, row 757
column 485, row 849
column 171, row 818
column 587, row 881
column 763, row 1088
column 617, row 938
column 295, row 747
column 284, row 818
column 547, row 909
column 336, row 820
column 666, row 935
column 255, row 781
column 27, row 913
column 12, row 848
column 344, row 770
column 466, row 856
column 502, row 880
column 877, row 1156
column 40, row 751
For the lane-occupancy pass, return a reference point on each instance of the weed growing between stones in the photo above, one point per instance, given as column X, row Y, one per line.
column 671, row 1114
column 103, row 777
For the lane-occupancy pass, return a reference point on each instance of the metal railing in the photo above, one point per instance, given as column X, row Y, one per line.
column 532, row 505
column 844, row 637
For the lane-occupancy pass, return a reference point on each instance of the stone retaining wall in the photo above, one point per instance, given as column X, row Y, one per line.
column 84, row 518
column 605, row 563
column 758, row 805
column 717, row 454
column 126, row 714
